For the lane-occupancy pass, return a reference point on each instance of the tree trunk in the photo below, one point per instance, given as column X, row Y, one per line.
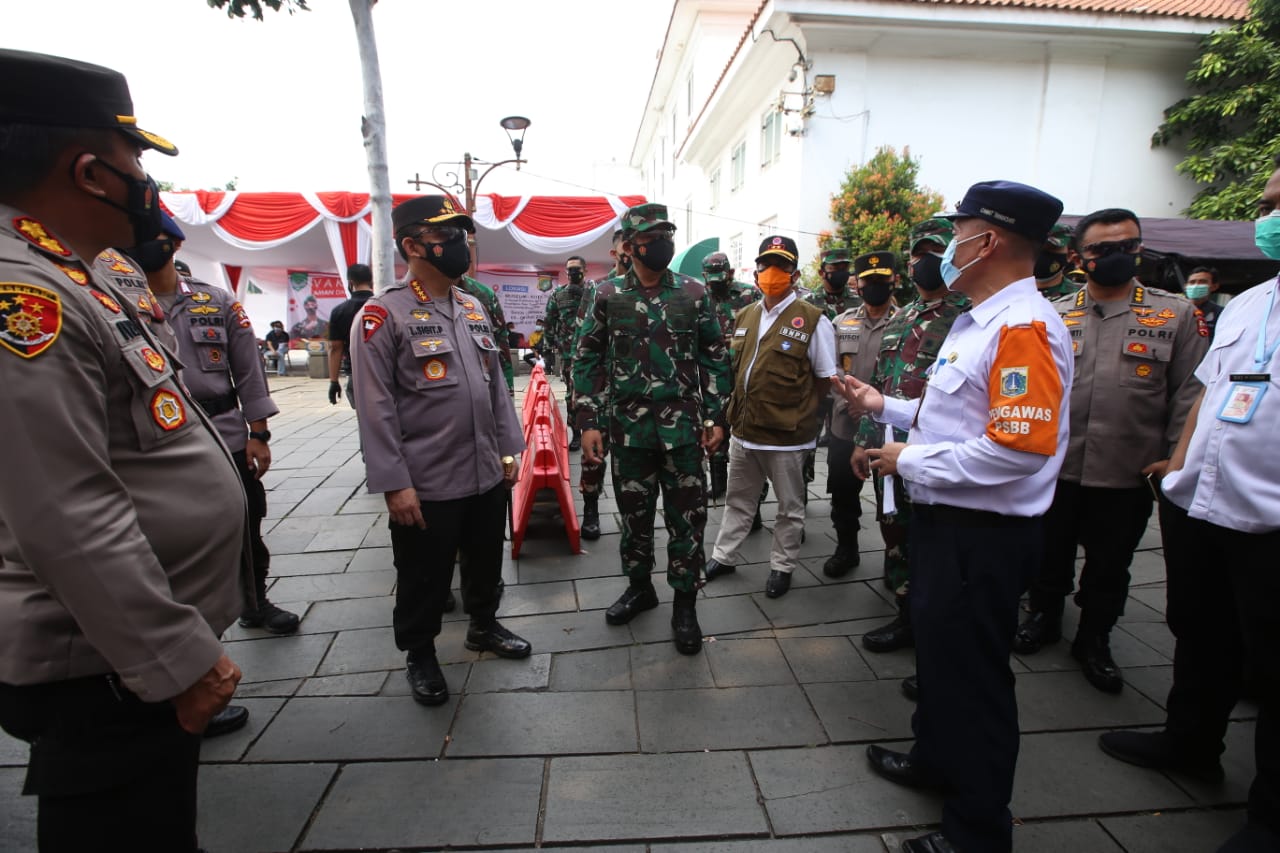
column 374, row 128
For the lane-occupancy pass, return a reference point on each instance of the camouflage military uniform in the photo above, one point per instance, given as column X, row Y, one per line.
column 1058, row 242
column 909, row 346
column 834, row 304
column 493, row 308
column 650, row 367
column 592, row 477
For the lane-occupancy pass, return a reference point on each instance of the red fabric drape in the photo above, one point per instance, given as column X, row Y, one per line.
column 349, row 244
column 504, row 206
column 343, row 204
column 261, row 217
column 551, row 216
column 233, row 276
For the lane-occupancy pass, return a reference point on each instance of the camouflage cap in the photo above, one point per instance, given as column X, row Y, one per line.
column 1059, row 236
column 716, row 267
column 835, row 255
column 647, row 217
column 936, row 230
column 875, row 263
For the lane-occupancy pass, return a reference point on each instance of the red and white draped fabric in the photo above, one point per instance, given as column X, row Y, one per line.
column 547, row 225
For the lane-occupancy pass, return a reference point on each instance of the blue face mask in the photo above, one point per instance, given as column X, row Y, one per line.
column 949, row 271
column 1266, row 234
column 1196, row 291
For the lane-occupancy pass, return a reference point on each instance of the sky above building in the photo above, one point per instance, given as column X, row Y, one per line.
column 277, row 104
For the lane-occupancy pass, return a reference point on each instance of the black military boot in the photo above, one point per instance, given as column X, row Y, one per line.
column 263, row 614
column 575, row 440
column 719, row 476
column 1041, row 628
column 591, row 516
column 634, row 600
column 846, row 557
column 1093, row 650
column 685, row 630
column 896, row 635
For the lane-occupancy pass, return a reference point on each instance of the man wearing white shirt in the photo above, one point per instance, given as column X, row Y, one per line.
column 985, row 446
column 784, row 355
column 1220, row 527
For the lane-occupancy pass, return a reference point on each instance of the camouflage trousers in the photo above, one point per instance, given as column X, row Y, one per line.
column 893, row 530
column 638, row 473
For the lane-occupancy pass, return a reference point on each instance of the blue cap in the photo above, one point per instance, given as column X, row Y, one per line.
column 168, row 226
column 1024, row 210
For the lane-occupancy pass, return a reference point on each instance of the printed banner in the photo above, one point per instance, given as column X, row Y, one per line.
column 312, row 296
column 523, row 297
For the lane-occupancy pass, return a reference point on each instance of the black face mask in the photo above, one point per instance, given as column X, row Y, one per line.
column 575, row 276
column 1113, row 270
column 876, row 291
column 1050, row 265
column 837, row 280
column 153, row 255
column 926, row 272
column 720, row 288
column 452, row 257
column 624, row 262
column 142, row 204
column 656, row 256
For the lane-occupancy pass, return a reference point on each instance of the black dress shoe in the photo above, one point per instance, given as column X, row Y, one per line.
column 685, row 631
column 1094, row 654
column 777, row 584
column 911, row 688
column 898, row 767
column 450, row 602
column 634, row 600
column 497, row 639
column 1038, row 630
column 272, row 619
column 426, row 680
column 715, row 569
column 229, row 719
column 887, row 638
column 934, row 842
column 1159, row 751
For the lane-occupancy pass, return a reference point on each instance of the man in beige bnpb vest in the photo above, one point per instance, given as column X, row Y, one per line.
column 784, row 356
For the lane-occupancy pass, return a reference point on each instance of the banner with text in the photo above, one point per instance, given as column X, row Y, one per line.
column 312, row 297
column 523, row 296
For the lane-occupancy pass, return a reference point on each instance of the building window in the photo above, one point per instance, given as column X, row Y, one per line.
column 715, row 189
column 738, row 164
column 770, row 137
column 735, row 251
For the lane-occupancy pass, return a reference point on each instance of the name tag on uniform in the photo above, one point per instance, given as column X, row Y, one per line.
column 1242, row 401
column 739, row 333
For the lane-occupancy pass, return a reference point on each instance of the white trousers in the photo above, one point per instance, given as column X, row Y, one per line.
column 748, row 470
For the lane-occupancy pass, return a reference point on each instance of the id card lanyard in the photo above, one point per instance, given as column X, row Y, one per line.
column 1247, row 390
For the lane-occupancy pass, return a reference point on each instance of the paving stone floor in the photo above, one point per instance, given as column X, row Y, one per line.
column 607, row 739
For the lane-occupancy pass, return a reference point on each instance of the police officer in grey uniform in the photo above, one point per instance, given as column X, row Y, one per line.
column 223, row 371
column 117, row 576
column 1136, row 349
column 440, row 438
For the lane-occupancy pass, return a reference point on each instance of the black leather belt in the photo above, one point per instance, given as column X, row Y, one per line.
column 964, row 517
column 214, row 406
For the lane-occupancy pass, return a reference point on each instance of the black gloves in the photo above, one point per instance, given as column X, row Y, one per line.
column 335, row 391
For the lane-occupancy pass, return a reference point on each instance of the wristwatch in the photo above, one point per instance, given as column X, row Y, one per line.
column 263, row 436
column 508, row 460
column 708, row 424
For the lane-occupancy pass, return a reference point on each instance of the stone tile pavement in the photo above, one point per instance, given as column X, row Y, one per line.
column 607, row 739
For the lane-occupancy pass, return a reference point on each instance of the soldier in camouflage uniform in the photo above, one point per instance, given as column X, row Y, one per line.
column 652, row 353
column 561, row 329
column 729, row 297
column 592, row 478
column 1052, row 265
column 836, row 295
column 907, row 350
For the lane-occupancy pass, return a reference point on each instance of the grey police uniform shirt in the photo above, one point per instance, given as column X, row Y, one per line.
column 857, row 347
column 219, row 350
column 121, row 514
column 431, row 398
column 132, row 284
column 1135, row 360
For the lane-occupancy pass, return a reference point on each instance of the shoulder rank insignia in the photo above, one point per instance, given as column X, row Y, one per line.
column 107, row 302
column 1139, row 295
column 30, row 318
column 167, row 410
column 79, row 276
column 420, row 291
column 39, row 236
column 1080, row 298
column 200, row 296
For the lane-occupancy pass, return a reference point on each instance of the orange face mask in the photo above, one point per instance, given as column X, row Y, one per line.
column 773, row 281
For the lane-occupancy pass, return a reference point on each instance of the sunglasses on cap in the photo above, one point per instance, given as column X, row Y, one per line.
column 1116, row 247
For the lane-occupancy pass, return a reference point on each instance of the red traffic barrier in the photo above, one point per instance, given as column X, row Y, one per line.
column 545, row 464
